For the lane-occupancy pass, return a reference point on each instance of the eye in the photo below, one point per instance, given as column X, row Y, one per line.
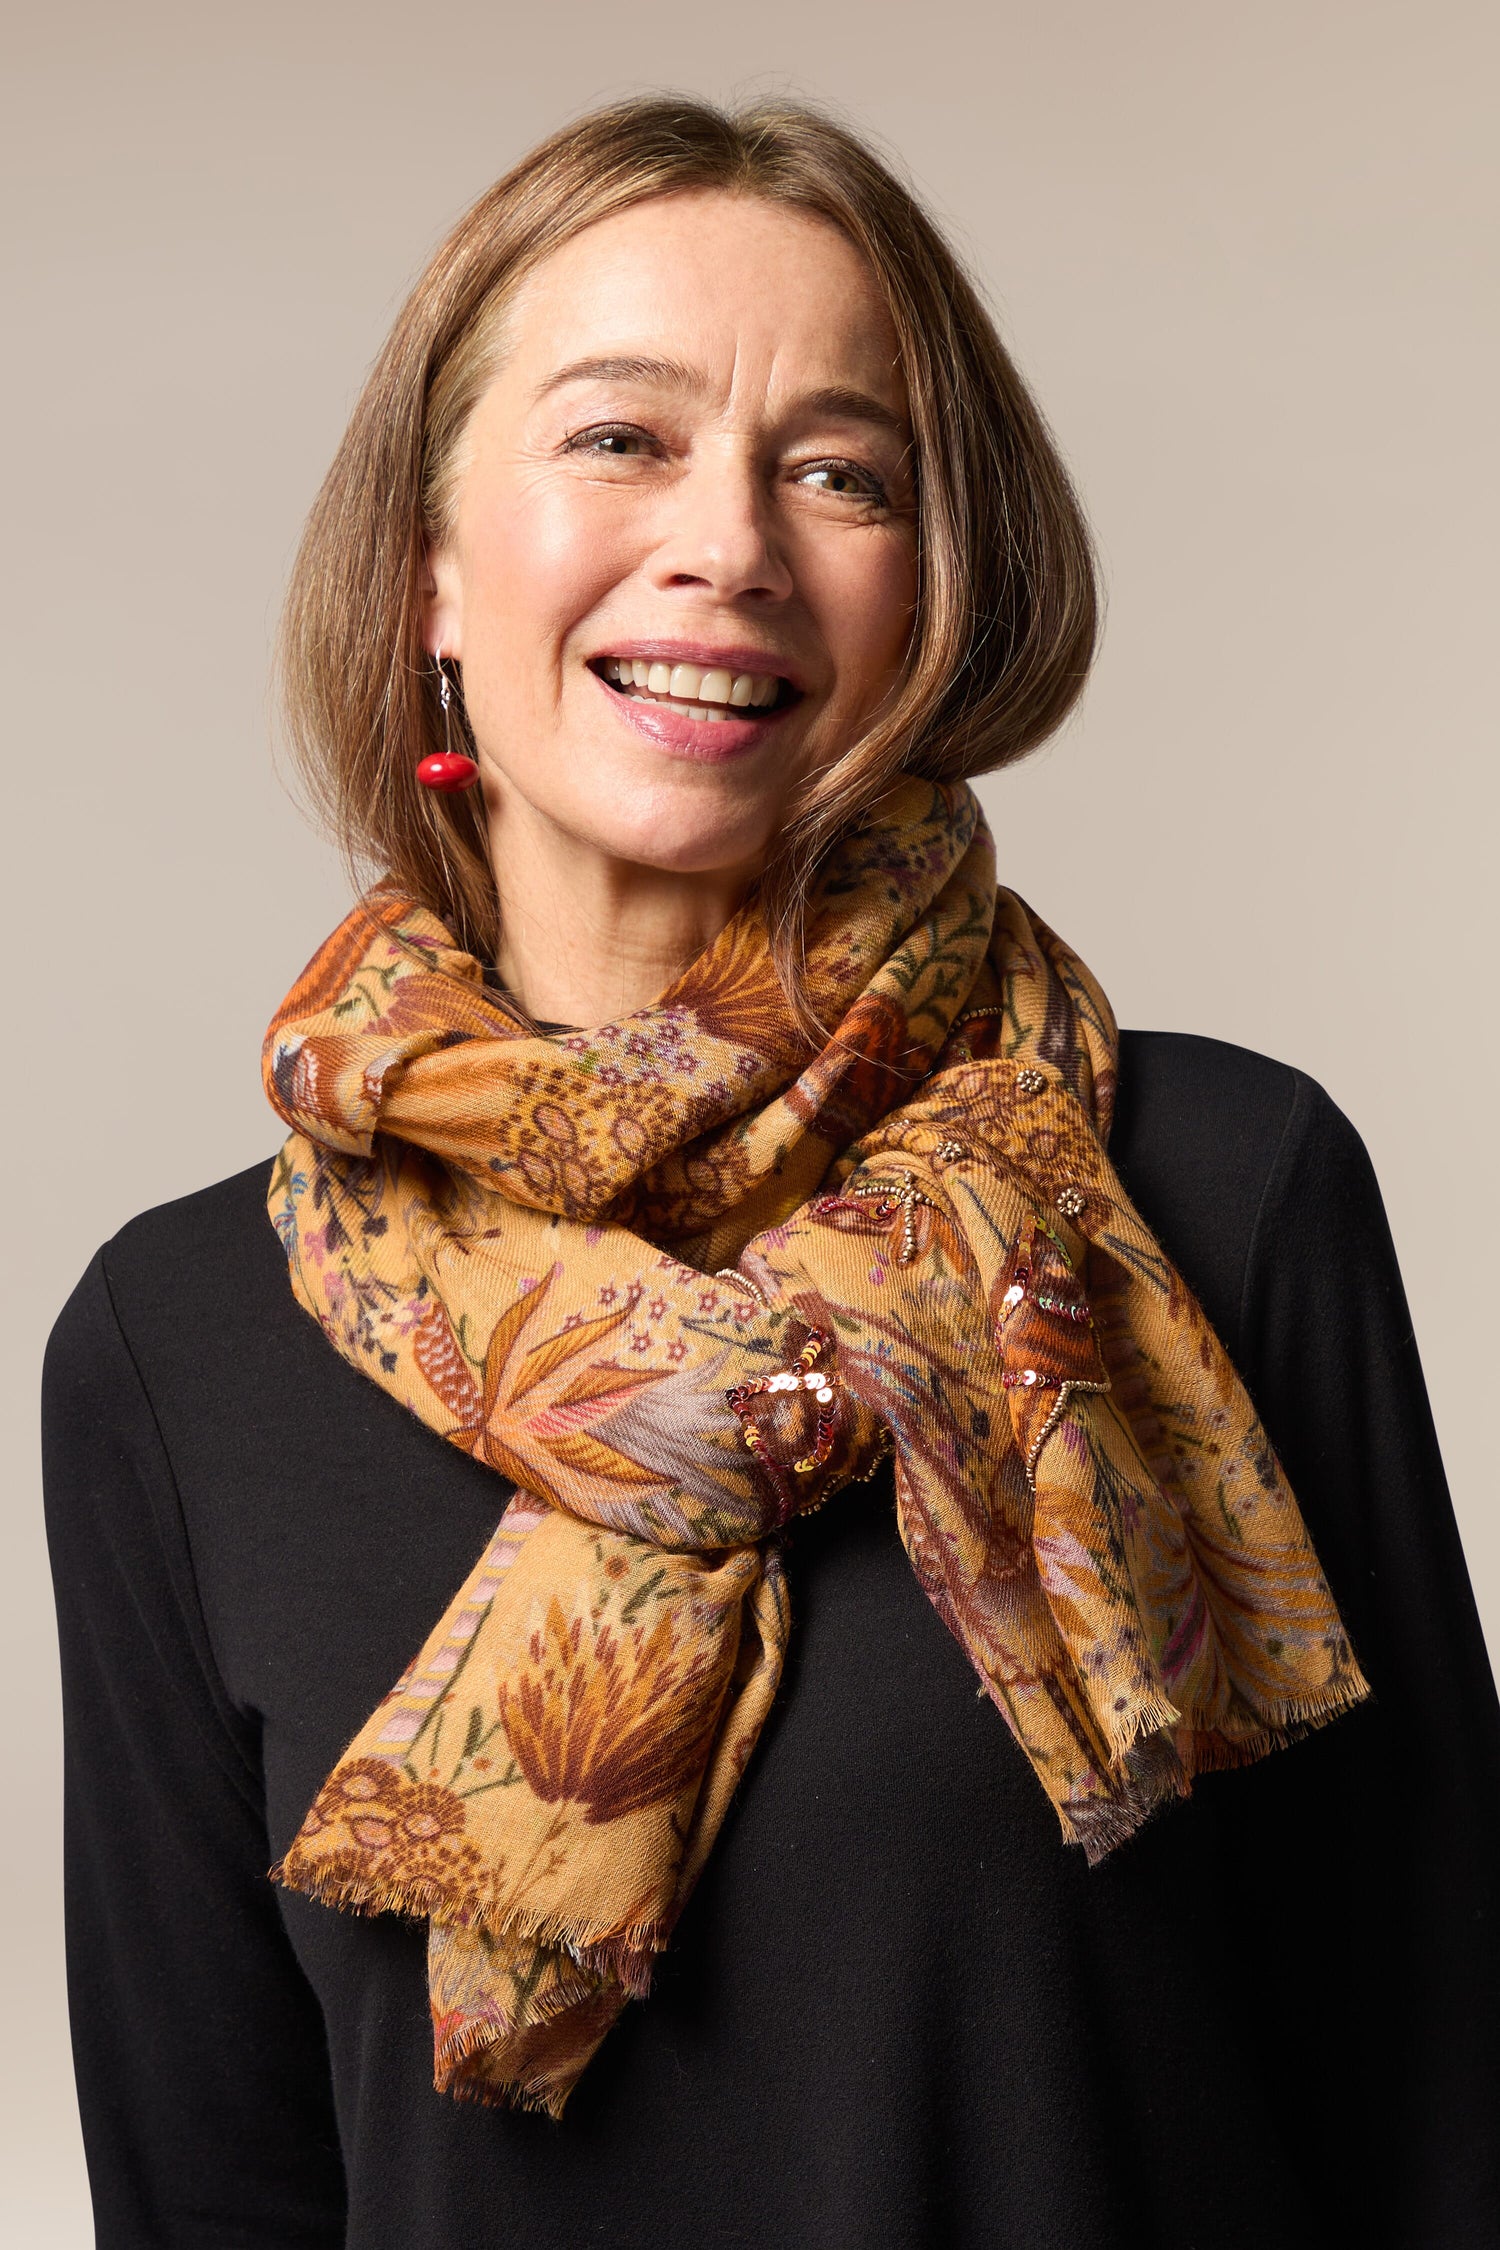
column 611, row 441
column 844, row 480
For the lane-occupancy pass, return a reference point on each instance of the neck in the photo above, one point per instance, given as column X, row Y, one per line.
column 586, row 938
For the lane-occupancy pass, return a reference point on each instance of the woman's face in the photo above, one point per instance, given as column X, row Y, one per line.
column 682, row 568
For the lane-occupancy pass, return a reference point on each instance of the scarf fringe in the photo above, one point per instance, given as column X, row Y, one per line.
column 627, row 1955
column 1154, row 1716
column 1152, row 1777
column 1100, row 1825
column 623, row 1956
column 1213, row 1751
column 1172, row 1756
column 530, row 2091
column 535, row 2096
column 299, row 1872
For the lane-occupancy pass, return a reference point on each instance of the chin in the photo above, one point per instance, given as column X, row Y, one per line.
column 691, row 853
column 682, row 838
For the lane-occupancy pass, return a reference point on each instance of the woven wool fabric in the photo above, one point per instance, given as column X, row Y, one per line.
column 683, row 1277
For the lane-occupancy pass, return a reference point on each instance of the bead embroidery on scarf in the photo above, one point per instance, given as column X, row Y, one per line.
column 892, row 1195
column 804, row 1375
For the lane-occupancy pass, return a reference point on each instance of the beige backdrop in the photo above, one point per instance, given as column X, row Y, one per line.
column 1239, row 251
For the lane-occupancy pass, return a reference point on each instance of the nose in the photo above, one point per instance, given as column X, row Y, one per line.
column 721, row 536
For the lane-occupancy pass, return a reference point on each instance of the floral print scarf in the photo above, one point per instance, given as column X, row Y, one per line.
column 678, row 1280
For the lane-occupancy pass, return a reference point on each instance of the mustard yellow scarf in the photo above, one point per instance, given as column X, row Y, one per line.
column 683, row 1277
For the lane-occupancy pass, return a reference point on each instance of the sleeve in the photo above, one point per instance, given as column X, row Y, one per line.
column 202, row 2069
column 1403, row 1885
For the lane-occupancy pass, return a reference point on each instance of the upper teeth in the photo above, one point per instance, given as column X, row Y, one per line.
column 690, row 688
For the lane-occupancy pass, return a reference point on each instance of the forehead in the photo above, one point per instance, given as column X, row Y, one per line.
column 725, row 278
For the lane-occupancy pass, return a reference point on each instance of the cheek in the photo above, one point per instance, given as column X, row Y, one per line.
column 867, row 594
column 535, row 564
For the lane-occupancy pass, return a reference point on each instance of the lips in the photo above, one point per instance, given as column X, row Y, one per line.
column 708, row 705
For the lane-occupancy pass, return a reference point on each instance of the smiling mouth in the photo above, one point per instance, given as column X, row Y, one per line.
column 696, row 691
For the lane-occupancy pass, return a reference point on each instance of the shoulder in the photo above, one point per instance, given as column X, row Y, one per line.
column 1217, row 1144
column 1223, row 1118
column 194, row 1282
column 189, row 1244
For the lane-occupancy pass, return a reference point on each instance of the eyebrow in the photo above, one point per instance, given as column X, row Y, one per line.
column 840, row 401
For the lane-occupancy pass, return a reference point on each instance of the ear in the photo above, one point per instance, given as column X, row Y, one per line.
column 442, row 603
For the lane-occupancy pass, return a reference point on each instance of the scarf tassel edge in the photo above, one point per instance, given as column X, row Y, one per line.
column 528, row 2091
column 1102, row 1824
column 624, row 1956
column 1212, row 1751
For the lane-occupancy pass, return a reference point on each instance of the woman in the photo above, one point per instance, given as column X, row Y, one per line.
column 684, row 1134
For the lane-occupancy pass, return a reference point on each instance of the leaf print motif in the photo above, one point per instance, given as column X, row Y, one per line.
column 507, row 1332
column 591, row 1457
column 598, row 1386
column 539, row 1414
column 544, row 1359
column 436, row 1351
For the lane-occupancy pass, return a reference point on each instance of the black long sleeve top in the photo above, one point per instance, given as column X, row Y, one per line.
column 898, row 2012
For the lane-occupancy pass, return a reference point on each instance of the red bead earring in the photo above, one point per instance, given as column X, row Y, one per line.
column 447, row 770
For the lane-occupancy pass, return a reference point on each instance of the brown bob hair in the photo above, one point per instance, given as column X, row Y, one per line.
column 1007, row 611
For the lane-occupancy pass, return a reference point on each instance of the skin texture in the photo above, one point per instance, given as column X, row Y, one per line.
column 719, row 501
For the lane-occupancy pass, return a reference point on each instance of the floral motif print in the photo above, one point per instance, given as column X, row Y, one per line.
column 590, row 1710
column 378, row 1828
column 570, row 1257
